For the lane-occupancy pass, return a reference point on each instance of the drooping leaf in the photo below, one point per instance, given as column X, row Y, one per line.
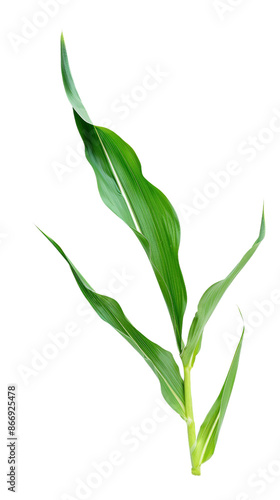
column 210, row 300
column 209, row 430
column 144, row 208
column 160, row 360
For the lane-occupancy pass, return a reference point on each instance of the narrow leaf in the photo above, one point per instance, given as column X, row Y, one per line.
column 209, row 430
column 144, row 208
column 160, row 361
column 210, row 300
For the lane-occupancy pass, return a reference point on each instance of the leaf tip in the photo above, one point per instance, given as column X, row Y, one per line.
column 263, row 227
column 240, row 312
column 243, row 329
column 44, row 234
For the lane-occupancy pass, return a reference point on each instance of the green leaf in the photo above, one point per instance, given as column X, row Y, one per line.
column 144, row 208
column 160, row 361
column 210, row 300
column 209, row 430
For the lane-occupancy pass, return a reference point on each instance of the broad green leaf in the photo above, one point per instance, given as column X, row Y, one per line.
column 209, row 430
column 144, row 208
column 160, row 361
column 210, row 300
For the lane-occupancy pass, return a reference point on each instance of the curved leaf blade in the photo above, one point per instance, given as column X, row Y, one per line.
column 210, row 300
column 210, row 429
column 160, row 360
column 143, row 207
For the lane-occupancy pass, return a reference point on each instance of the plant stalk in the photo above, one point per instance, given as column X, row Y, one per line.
column 190, row 418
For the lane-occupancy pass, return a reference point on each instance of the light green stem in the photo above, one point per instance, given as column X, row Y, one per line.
column 190, row 418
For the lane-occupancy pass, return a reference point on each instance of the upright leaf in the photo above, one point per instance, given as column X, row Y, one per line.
column 210, row 300
column 144, row 208
column 160, row 361
column 209, row 430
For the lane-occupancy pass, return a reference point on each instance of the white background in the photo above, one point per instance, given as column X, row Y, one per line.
column 219, row 89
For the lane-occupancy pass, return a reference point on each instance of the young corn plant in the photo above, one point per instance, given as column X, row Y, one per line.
column 153, row 220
